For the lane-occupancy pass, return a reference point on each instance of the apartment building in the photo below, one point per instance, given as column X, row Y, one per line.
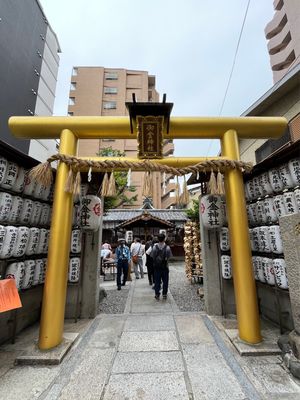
column 283, row 36
column 28, row 70
column 104, row 91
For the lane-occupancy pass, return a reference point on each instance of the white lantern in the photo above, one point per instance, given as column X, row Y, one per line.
column 290, row 203
column 45, row 212
column 297, row 197
column 260, row 212
column 211, row 210
column 10, row 239
column 16, row 271
column 10, row 176
column 254, row 267
column 38, row 272
column 29, row 186
column 76, row 241
column 5, row 205
column 43, row 241
column 257, row 188
column 22, row 241
column 224, row 239
column 247, row 195
column 251, row 240
column 26, row 212
column 46, row 193
column 275, row 239
column 19, row 184
column 264, row 239
column 49, row 216
column 16, row 208
column 265, row 185
column 294, row 167
column 2, row 236
column 226, row 267
column 255, row 238
column 90, row 212
column 33, row 242
column 275, row 180
column 253, row 213
column 286, row 176
column 29, row 274
column 279, row 206
column 250, row 189
column 267, row 265
column 74, row 269
column 260, row 270
column 249, row 215
column 36, row 213
column 43, row 276
column 269, row 210
column 3, row 168
column 280, row 273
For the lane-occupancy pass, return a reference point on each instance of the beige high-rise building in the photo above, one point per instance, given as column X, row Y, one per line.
column 283, row 33
column 104, row 91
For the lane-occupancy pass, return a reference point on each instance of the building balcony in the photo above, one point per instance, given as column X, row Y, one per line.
column 168, row 202
column 279, row 41
column 278, row 4
column 284, row 58
column 276, row 24
column 168, row 149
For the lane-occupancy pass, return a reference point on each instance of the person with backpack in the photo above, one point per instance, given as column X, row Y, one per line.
column 137, row 250
column 149, row 261
column 123, row 259
column 161, row 253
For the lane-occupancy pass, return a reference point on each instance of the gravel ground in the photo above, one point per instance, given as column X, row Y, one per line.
column 184, row 292
column 114, row 302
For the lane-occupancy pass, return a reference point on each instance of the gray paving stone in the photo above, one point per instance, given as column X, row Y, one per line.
column 192, row 329
column 151, row 386
column 89, row 376
column 148, row 341
column 166, row 361
column 153, row 307
column 210, row 376
column 149, row 323
column 107, row 333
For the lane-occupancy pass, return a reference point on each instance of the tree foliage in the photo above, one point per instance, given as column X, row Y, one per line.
column 123, row 196
column 193, row 212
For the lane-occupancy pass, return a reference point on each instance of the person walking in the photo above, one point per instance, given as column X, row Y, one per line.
column 149, row 260
column 123, row 259
column 137, row 252
column 161, row 253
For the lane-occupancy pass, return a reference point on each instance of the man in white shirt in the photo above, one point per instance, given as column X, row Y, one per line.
column 137, row 250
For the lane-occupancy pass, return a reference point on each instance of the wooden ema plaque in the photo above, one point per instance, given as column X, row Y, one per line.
column 150, row 136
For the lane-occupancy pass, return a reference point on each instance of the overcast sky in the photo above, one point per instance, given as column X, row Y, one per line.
column 188, row 45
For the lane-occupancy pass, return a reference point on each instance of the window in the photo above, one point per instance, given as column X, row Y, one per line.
column 70, row 113
column 75, row 71
column 73, row 86
column 111, row 76
column 110, row 90
column 71, row 101
column 110, row 105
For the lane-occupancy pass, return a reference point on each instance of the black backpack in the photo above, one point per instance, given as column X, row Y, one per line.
column 160, row 260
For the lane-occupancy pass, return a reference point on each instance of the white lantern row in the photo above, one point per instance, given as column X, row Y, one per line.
column 270, row 271
column 74, row 270
column 266, row 239
column 17, row 210
column 226, row 268
column 212, row 211
column 76, row 241
column 286, row 176
column 27, row 273
column 224, row 239
column 22, row 241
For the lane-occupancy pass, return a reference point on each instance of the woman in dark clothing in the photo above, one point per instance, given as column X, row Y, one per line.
column 149, row 260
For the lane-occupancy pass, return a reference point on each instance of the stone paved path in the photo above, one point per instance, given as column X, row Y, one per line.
column 152, row 351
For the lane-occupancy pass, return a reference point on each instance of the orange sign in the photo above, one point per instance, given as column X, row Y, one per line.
column 9, row 296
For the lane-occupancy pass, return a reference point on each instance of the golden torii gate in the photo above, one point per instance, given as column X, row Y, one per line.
column 70, row 129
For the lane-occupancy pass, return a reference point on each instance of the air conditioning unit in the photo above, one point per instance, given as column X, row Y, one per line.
column 129, row 237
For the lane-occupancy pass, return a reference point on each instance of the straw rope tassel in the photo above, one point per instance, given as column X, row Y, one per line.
column 42, row 173
column 111, row 191
column 177, row 191
column 69, row 186
column 129, row 178
column 77, row 182
column 212, row 184
column 185, row 193
column 147, row 192
column 104, row 185
column 220, row 183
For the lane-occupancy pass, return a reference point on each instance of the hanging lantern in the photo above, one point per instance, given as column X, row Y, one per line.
column 36, row 213
column 226, row 267
column 297, row 197
column 29, row 274
column 267, row 265
column 2, row 236
column 286, row 176
column 254, row 268
column 19, row 184
column 76, row 241
column 90, row 212
column 255, row 236
column 38, row 272
column 275, row 239
column 253, row 213
column 41, row 192
column 44, row 214
column 43, row 274
column 257, row 188
column 33, row 242
column 264, row 239
column 26, row 212
column 280, row 273
column 42, row 246
column 49, row 216
column 10, row 239
column 275, row 180
column 250, row 189
column 10, row 175
column 269, row 210
column 5, row 205
column 265, row 185
column 252, row 245
column 16, row 271
column 3, row 168
column 74, row 269
column 224, row 239
column 22, row 241
column 260, row 270
column 294, row 167
column 211, row 211
column 290, row 203
column 260, row 212
column 16, row 208
column 279, row 206
column 29, row 186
